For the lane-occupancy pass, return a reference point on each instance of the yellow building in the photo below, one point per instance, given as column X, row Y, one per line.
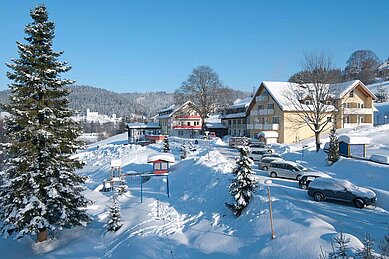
column 273, row 115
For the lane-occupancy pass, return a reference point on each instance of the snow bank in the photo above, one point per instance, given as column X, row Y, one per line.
column 353, row 139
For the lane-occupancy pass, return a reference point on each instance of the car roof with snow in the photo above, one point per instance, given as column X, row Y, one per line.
column 316, row 173
column 271, row 158
column 331, row 183
column 285, row 162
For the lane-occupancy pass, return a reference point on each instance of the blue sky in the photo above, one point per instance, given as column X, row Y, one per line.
column 128, row 46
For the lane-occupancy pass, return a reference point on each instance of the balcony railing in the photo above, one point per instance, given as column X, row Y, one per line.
column 358, row 111
column 262, row 98
column 266, row 111
column 271, row 126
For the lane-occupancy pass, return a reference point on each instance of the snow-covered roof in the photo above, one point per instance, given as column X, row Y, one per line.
column 353, row 139
column 373, row 87
column 161, row 156
column 139, row 125
column 215, row 125
column 241, row 103
column 116, row 163
column 234, row 115
column 279, row 92
column 268, row 134
column 172, row 108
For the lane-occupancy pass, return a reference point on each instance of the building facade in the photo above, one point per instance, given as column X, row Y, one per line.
column 182, row 121
column 235, row 118
column 270, row 113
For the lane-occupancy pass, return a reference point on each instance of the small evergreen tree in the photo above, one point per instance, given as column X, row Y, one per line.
column 114, row 217
column 384, row 246
column 367, row 252
column 333, row 151
column 244, row 184
column 341, row 250
column 41, row 190
column 166, row 147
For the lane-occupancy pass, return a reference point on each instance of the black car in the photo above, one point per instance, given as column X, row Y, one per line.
column 343, row 190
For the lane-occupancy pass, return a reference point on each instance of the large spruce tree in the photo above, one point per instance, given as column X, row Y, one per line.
column 41, row 190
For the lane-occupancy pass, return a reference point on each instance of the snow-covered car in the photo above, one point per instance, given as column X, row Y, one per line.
column 286, row 169
column 256, row 155
column 260, row 146
column 343, row 190
column 237, row 141
column 271, row 155
column 309, row 177
column 266, row 161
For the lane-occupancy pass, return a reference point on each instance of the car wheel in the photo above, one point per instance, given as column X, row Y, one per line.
column 359, row 203
column 318, row 196
column 270, row 151
column 273, row 174
column 304, row 186
column 265, row 168
column 298, row 177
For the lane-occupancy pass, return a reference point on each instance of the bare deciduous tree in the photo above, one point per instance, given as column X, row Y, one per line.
column 313, row 97
column 362, row 65
column 203, row 88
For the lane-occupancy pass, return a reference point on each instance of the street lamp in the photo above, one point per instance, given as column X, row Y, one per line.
column 268, row 182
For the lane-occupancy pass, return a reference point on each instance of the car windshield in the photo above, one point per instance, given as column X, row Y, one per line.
column 350, row 185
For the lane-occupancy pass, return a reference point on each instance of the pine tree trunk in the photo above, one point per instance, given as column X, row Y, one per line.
column 42, row 235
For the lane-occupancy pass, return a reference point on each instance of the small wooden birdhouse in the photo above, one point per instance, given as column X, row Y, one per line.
column 161, row 162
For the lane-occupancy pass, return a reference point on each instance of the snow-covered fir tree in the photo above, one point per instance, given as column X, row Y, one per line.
column 166, row 147
column 114, row 217
column 244, row 184
column 340, row 247
column 333, row 150
column 41, row 190
column 367, row 251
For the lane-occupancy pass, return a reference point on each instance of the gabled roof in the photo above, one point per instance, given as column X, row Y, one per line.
column 278, row 90
column 173, row 108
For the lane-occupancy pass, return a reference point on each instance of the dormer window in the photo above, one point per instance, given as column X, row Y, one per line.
column 308, row 102
column 351, row 93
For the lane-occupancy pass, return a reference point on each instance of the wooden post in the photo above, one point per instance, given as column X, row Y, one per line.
column 141, row 189
column 167, row 186
column 271, row 214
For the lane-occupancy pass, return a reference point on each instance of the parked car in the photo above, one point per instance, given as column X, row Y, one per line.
column 343, row 190
column 237, row 141
column 265, row 162
column 309, row 177
column 286, row 169
column 260, row 146
column 271, row 155
column 256, row 155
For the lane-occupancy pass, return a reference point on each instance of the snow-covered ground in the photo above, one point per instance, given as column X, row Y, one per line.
column 194, row 222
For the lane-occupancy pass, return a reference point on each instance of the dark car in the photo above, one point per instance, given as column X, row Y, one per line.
column 307, row 178
column 342, row 190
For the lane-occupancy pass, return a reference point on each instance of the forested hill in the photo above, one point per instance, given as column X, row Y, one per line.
column 108, row 102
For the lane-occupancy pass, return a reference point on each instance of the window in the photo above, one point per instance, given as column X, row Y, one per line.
column 244, row 121
column 238, row 122
column 276, row 120
column 164, row 166
column 180, row 133
column 329, row 119
column 351, row 93
column 308, row 102
column 234, row 122
column 346, row 119
column 229, row 122
column 260, row 107
column 346, row 105
column 270, row 106
column 360, row 105
column 188, row 123
column 328, row 102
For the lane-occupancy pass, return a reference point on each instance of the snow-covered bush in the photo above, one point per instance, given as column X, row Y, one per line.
column 244, row 184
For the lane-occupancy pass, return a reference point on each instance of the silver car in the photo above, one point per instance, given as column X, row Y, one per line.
column 265, row 162
column 286, row 169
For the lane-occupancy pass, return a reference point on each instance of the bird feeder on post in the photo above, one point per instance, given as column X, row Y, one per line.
column 161, row 162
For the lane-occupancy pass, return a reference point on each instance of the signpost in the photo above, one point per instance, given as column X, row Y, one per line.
column 268, row 182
